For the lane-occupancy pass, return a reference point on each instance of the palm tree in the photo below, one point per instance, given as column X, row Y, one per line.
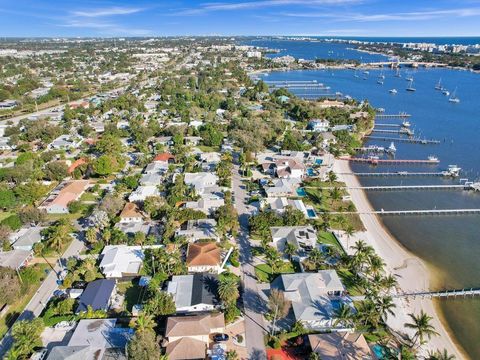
column 290, row 250
column 349, row 231
column 375, row 264
column 316, row 258
column 385, row 306
column 144, row 322
column 228, row 290
column 388, row 282
column 343, row 315
column 421, row 324
column 232, row 355
column 332, row 177
column 440, row 355
column 278, row 306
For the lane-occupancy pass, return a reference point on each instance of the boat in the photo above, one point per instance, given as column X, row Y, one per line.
column 380, row 82
column 452, row 170
column 406, row 124
column 410, row 86
column 409, row 78
column 439, row 85
column 397, row 74
column 446, row 92
column 454, row 98
column 381, row 76
column 433, row 158
column 392, row 91
column 366, row 72
column 391, row 149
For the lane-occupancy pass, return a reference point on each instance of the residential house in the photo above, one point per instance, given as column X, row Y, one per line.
column 201, row 180
column 208, row 204
column 342, row 345
column 204, row 257
column 5, row 144
column 120, row 261
column 151, row 179
column 200, row 229
column 131, row 213
column 194, row 293
column 15, row 259
column 313, row 297
column 26, row 238
column 64, row 142
column 156, row 167
column 318, row 125
column 189, row 336
column 192, row 140
column 289, row 168
column 142, row 192
column 97, row 294
column 76, row 164
column 58, row 200
column 283, row 188
column 302, row 237
column 94, row 339
column 279, row 204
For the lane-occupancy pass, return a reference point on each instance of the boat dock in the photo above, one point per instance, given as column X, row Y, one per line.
column 389, row 125
column 408, row 140
column 465, row 186
column 425, row 294
column 393, row 116
column 401, row 131
column 400, row 173
column 392, row 161
column 412, row 212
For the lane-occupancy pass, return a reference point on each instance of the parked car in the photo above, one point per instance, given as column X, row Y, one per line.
column 220, row 337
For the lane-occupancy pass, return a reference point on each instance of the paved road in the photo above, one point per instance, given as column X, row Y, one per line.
column 38, row 302
column 254, row 306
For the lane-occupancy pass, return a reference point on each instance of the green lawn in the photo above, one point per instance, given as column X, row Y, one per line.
column 4, row 215
column 132, row 292
column 208, row 148
column 327, row 238
column 350, row 283
column 88, row 196
column 264, row 272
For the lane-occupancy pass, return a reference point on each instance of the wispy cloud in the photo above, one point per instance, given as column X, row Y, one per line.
column 112, row 11
column 249, row 5
column 405, row 16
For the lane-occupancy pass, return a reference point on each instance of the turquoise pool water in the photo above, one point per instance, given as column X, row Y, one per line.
column 318, row 161
column 311, row 213
column 301, row 192
column 310, row 172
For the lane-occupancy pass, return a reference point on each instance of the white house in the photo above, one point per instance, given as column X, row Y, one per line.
column 318, row 125
column 200, row 180
column 142, row 192
column 65, row 142
column 304, row 237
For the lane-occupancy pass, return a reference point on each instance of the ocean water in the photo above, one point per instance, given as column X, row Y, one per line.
column 450, row 245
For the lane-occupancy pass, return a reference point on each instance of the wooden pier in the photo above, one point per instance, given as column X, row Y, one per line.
column 399, row 173
column 393, row 116
column 412, row 212
column 412, row 187
column 374, row 161
column 402, row 131
column 389, row 125
column 407, row 140
column 425, row 294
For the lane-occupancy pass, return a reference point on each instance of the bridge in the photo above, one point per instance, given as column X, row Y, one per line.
column 405, row 63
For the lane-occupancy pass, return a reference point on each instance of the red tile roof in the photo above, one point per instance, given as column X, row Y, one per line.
column 163, row 157
column 76, row 164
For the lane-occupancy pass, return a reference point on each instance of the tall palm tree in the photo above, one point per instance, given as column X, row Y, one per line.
column 278, row 306
column 421, row 324
column 440, row 355
column 316, row 258
column 343, row 315
column 290, row 250
column 228, row 290
column 375, row 264
column 349, row 231
column 388, row 282
column 145, row 322
column 385, row 306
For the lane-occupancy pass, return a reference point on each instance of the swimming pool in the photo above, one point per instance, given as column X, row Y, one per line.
column 310, row 172
column 379, row 351
column 318, row 161
column 301, row 192
column 311, row 213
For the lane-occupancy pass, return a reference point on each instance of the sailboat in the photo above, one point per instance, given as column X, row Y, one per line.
column 381, row 76
column 397, row 74
column 454, row 98
column 410, row 85
column 439, row 85
column 355, row 73
column 409, row 78
column 392, row 91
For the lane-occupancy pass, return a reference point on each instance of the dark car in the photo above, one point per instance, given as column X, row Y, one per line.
column 220, row 337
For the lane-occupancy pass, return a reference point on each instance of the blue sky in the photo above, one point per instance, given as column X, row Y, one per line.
column 239, row 17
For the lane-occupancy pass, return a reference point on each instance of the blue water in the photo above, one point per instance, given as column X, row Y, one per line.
column 448, row 244
column 310, row 172
column 313, row 50
column 301, row 192
column 311, row 213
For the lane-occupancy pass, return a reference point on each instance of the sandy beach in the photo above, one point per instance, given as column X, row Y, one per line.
column 411, row 272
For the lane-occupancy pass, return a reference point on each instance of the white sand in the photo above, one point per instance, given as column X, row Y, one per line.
column 412, row 274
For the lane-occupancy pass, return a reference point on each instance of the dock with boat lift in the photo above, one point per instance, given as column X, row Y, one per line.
column 405, row 140
column 466, row 186
column 402, row 131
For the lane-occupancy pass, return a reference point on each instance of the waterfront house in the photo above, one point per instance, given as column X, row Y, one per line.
column 289, row 168
column 318, row 125
column 302, row 237
column 342, row 345
column 313, row 297
column 194, row 293
column 283, row 188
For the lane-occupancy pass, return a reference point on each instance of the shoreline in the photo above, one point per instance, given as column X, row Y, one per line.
column 411, row 272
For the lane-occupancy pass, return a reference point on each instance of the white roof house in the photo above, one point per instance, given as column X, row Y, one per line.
column 278, row 204
column 208, row 204
column 64, row 142
column 142, row 192
column 314, row 297
column 195, row 230
column 122, row 260
column 301, row 236
column 200, row 180
column 283, row 188
column 25, row 238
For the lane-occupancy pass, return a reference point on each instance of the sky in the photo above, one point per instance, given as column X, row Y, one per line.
column 122, row 18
